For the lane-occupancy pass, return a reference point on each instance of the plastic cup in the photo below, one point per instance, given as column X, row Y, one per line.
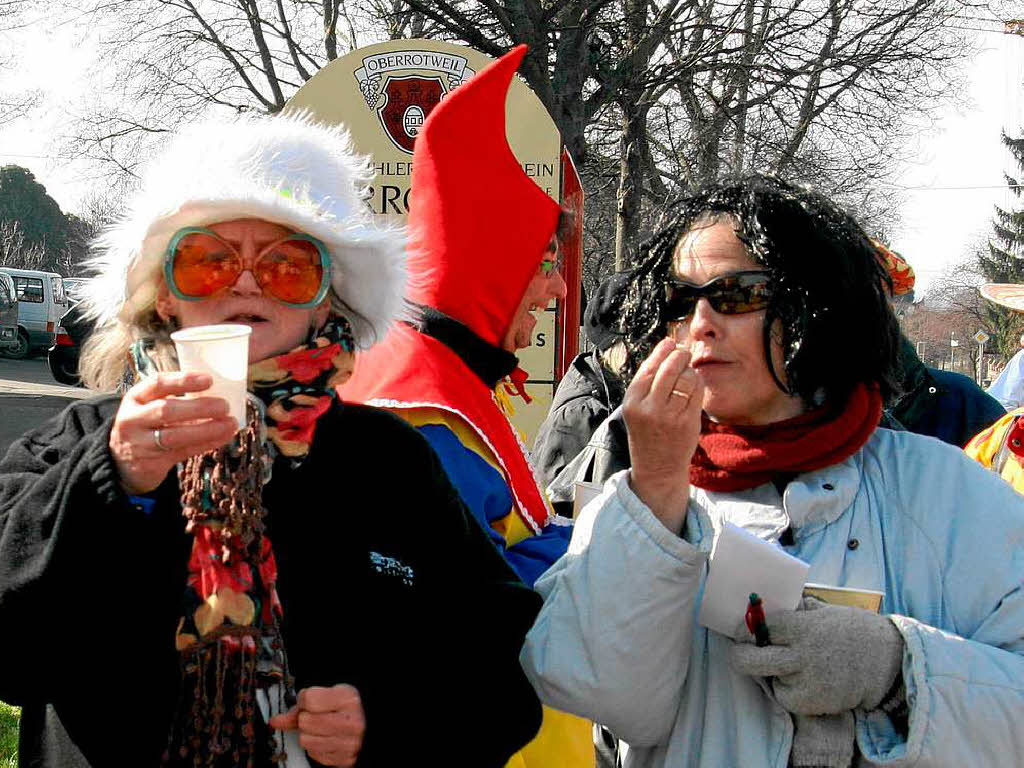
column 223, row 352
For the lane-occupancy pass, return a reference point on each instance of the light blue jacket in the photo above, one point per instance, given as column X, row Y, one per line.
column 618, row 642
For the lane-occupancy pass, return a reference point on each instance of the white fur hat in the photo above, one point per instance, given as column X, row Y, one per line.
column 288, row 170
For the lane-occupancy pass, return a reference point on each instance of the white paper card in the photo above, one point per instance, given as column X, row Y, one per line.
column 741, row 563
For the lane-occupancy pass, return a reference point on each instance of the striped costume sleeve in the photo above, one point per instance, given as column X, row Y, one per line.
column 485, row 491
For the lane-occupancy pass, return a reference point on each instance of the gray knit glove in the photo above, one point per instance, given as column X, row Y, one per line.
column 825, row 659
column 822, row 741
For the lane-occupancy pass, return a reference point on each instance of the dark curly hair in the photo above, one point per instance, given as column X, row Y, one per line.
column 829, row 291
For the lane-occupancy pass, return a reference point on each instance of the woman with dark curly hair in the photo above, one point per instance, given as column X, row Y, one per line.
column 767, row 345
column 817, row 285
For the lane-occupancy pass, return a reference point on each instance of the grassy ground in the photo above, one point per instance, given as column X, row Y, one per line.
column 9, row 717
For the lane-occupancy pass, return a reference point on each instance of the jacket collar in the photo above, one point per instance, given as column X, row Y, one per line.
column 491, row 364
column 818, row 498
column 810, row 502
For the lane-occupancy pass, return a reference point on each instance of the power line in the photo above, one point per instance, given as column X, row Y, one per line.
column 989, row 19
column 990, row 31
column 954, row 188
column 1003, row 31
column 35, row 157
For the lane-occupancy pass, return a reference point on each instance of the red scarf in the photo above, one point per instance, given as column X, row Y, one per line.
column 737, row 458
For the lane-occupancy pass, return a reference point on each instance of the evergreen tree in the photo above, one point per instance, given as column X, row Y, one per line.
column 25, row 201
column 1004, row 262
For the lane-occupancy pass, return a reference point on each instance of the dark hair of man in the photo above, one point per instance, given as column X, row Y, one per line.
column 829, row 291
column 565, row 225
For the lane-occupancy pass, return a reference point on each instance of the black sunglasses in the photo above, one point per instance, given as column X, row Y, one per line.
column 733, row 294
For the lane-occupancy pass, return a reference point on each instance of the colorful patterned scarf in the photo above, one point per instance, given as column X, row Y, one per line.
column 297, row 387
column 229, row 637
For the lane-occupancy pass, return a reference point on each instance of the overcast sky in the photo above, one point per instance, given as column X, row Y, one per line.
column 961, row 166
column 953, row 185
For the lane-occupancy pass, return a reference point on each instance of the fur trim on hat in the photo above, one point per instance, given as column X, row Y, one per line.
column 288, row 170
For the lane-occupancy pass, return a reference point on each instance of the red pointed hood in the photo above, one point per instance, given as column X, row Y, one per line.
column 478, row 224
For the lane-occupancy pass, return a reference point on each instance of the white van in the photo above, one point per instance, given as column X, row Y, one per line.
column 8, row 313
column 73, row 288
column 41, row 303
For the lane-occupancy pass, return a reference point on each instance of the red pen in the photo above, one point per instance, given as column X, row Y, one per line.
column 756, row 621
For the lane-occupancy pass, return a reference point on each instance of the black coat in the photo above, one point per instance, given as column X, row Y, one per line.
column 91, row 587
column 943, row 404
column 585, row 397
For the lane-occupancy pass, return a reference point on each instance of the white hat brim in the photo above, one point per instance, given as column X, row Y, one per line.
column 1008, row 295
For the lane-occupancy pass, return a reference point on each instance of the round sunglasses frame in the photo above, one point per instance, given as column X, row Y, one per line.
column 321, row 249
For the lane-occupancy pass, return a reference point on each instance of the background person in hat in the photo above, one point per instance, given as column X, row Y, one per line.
column 590, row 390
column 1000, row 448
column 942, row 404
column 479, row 267
column 158, row 616
column 1008, row 388
column 741, row 411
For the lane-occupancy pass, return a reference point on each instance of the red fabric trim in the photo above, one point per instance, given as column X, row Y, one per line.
column 414, row 370
column 736, row 458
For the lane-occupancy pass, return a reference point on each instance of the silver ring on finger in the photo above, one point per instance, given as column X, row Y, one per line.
column 680, row 393
column 159, row 442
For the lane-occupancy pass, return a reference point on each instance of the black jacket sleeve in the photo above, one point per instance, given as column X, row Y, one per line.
column 59, row 499
column 454, row 691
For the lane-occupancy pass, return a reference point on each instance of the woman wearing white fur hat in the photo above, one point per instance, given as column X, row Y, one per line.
column 313, row 605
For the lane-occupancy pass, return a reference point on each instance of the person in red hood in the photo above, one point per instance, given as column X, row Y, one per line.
column 479, row 266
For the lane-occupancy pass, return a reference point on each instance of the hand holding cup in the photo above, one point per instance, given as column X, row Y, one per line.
column 155, row 427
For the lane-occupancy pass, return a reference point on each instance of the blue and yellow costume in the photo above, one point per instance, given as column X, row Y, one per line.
column 1000, row 448
column 473, row 469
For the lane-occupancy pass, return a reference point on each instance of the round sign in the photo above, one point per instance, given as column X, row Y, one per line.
column 382, row 94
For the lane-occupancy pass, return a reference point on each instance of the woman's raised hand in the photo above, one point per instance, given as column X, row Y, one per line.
column 662, row 410
column 153, row 430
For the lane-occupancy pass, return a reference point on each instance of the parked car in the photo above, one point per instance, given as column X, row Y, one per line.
column 63, row 355
column 73, row 287
column 8, row 313
column 41, row 302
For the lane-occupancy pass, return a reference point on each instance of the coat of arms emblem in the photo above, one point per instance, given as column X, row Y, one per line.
column 407, row 102
column 402, row 87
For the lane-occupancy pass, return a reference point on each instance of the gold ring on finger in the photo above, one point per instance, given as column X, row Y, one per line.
column 680, row 393
column 158, row 441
